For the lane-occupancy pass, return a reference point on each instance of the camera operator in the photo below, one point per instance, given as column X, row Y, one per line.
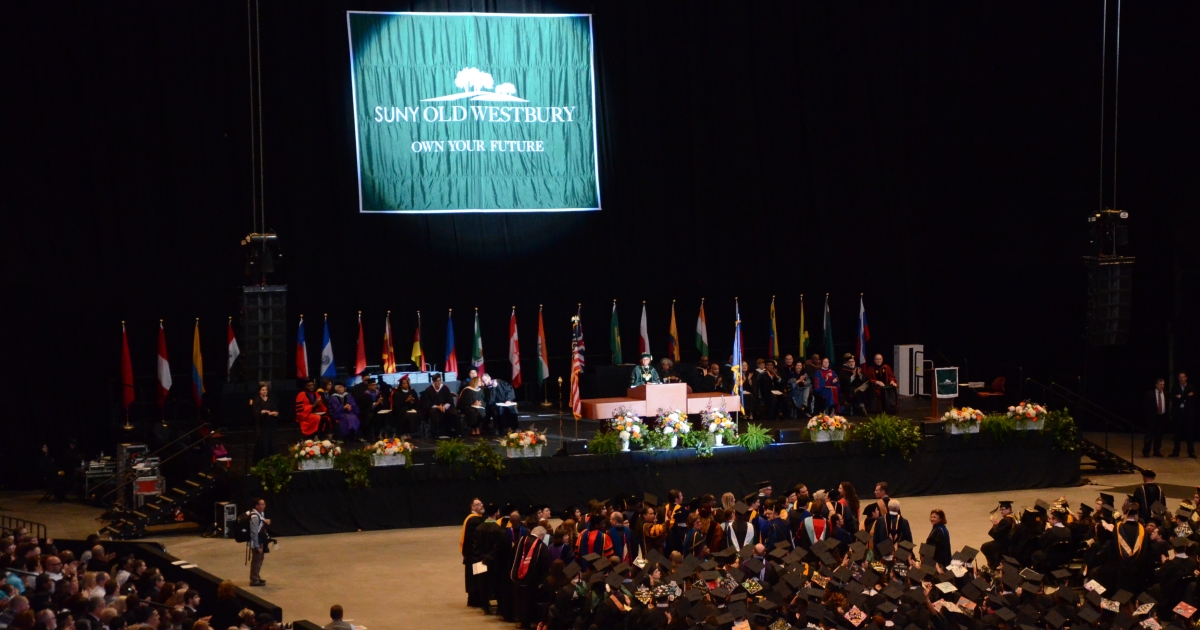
column 260, row 538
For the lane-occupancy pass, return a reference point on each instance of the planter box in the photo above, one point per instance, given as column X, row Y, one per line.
column 1025, row 425
column 525, row 451
column 388, row 460
column 828, row 436
column 959, row 429
column 317, row 463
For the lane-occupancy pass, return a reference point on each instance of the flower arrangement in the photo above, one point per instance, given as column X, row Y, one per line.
column 628, row 425
column 673, row 423
column 315, row 454
column 391, row 446
column 310, row 449
column 523, row 439
column 823, row 422
column 963, row 415
column 719, row 425
column 1031, row 412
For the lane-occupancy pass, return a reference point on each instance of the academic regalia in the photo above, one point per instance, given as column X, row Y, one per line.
column 369, row 403
column 892, row 527
column 593, row 541
column 346, row 419
column 675, row 521
column 1000, row 534
column 740, row 534
column 826, row 388
column 501, row 419
column 530, row 566
column 882, row 374
column 939, row 537
column 1172, row 578
column 505, row 556
column 264, row 425
column 694, row 541
column 466, row 548
column 654, row 538
column 308, row 404
column 472, row 414
column 776, row 531
column 443, row 422
column 812, row 529
column 1147, row 495
column 643, row 375
column 622, row 542
column 849, row 518
column 490, row 544
column 1132, row 559
column 403, row 401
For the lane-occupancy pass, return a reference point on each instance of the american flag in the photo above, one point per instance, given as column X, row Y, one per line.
column 576, row 365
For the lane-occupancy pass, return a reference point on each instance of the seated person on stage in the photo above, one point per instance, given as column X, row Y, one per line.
column 799, row 390
column 500, row 419
column 370, row 402
column 879, row 374
column 854, row 386
column 697, row 376
column 644, row 373
column 310, row 409
column 666, row 371
column 438, row 403
column 471, row 406
column 403, row 400
column 768, row 382
column 344, row 411
column 826, row 387
column 712, row 382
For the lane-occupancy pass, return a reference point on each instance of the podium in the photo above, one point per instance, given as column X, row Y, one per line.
column 648, row 399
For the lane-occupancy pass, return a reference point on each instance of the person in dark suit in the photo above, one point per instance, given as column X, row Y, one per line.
column 1147, row 494
column 265, row 412
column 1156, row 407
column 1183, row 399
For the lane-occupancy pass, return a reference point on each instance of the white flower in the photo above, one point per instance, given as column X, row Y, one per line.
column 624, row 435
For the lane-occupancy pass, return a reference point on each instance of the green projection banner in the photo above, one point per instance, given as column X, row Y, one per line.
column 474, row 112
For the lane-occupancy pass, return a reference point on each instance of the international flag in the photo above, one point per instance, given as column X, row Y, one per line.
column 737, row 315
column 417, row 356
column 828, row 331
column 477, row 346
column 576, row 365
column 773, row 336
column 673, row 336
column 197, row 366
column 234, row 351
column 360, row 355
column 164, row 368
column 514, row 349
column 702, row 331
column 644, row 331
column 614, row 336
column 126, row 371
column 736, row 363
column 803, row 331
column 451, row 356
column 543, row 368
column 389, row 354
column 864, row 333
column 301, row 352
column 327, row 368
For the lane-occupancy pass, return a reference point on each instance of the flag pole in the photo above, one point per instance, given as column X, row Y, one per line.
column 127, row 427
column 560, row 431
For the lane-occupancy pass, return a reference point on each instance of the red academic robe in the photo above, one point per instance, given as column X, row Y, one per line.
column 306, row 412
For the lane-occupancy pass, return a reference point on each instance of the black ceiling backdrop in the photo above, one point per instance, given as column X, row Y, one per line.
column 938, row 158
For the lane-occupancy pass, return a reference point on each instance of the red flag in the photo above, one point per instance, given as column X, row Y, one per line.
column 126, row 371
column 389, row 355
column 164, row 367
column 360, row 359
column 514, row 349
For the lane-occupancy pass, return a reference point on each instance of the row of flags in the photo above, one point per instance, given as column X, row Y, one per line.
column 164, row 365
column 328, row 369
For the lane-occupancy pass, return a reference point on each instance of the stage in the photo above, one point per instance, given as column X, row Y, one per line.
column 318, row 502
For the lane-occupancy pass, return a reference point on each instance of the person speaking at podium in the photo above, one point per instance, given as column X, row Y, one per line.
column 644, row 373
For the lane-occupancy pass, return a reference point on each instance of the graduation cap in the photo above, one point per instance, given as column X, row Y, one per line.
column 917, row 596
column 621, row 568
column 783, row 544
column 1107, row 500
column 1094, row 598
column 1184, row 513
column 719, row 592
column 725, row 555
column 753, row 565
column 886, row 548
column 779, row 554
column 571, row 570
column 858, row 551
column 601, row 564
column 725, row 618
column 650, row 500
column 741, row 508
column 970, row 591
column 862, row 536
column 815, row 611
column 737, row 609
column 738, row 597
column 766, row 605
column 1006, row 615
column 842, row 574
column 693, row 594
column 997, row 600
column 1180, row 543
column 887, row 608
column 595, row 578
column 592, row 557
column 656, row 557
column 869, row 579
column 796, row 555
column 1031, row 587
column 1011, row 560
column 968, row 554
column 747, row 552
column 1086, row 510
column 1088, row 614
column 1122, row 597
column 1145, row 598
column 736, row 575
column 708, row 565
column 691, row 562
column 1002, row 504
column 710, row 576
column 815, row 593
column 614, row 580
column 795, row 579
column 763, row 485
column 1031, row 575
column 1041, row 506
column 1011, row 579
column 1060, row 574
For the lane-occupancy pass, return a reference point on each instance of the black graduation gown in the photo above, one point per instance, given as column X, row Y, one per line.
column 489, row 547
column 530, row 557
column 472, row 415
column 264, row 425
column 444, row 422
column 501, row 417
column 401, row 405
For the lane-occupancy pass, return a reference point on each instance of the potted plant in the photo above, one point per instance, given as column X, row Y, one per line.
column 628, row 426
column 720, row 427
column 524, row 443
column 315, row 454
column 963, row 420
column 391, row 452
column 673, row 424
column 1030, row 416
column 826, row 428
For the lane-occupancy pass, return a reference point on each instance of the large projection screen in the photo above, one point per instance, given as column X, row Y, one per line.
column 473, row 112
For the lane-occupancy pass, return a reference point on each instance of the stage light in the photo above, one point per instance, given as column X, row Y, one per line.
column 262, row 254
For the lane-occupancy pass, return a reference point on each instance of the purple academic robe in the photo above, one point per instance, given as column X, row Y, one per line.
column 347, row 421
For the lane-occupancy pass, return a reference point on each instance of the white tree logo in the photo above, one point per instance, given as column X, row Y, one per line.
column 477, row 85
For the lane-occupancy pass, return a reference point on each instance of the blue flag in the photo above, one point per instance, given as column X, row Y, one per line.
column 327, row 368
